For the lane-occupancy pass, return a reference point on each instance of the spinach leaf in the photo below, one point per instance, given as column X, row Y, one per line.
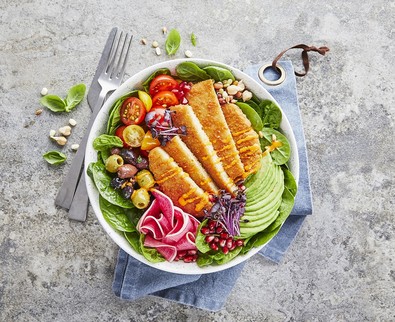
column 290, row 182
column 104, row 155
column 134, row 240
column 173, row 42
column 271, row 114
column 252, row 115
column 105, row 142
column 200, row 243
column 161, row 71
column 281, row 151
column 54, row 103
column 74, row 96
column 204, row 260
column 193, row 39
column 256, row 107
column 151, row 254
column 54, row 157
column 191, row 72
column 221, row 258
column 114, row 119
column 219, row 73
column 102, row 180
column 285, row 209
column 115, row 216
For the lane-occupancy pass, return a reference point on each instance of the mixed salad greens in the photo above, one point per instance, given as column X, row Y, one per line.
column 140, row 121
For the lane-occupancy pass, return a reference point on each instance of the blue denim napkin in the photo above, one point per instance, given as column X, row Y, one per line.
column 134, row 279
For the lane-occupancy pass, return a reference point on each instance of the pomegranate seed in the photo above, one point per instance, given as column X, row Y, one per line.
column 211, row 225
column 209, row 238
column 194, row 258
column 192, row 252
column 176, row 259
column 219, row 230
column 214, row 246
column 233, row 245
column 224, row 236
column 216, row 239
column 205, row 230
column 222, row 242
column 188, row 259
column 229, row 242
column 211, row 198
column 182, row 253
column 184, row 100
column 225, row 250
column 239, row 242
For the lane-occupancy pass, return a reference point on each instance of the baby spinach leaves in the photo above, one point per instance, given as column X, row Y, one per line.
column 115, row 216
column 252, row 115
column 105, row 141
column 271, row 114
column 97, row 171
column 73, row 98
column 54, row 157
column 173, row 42
column 219, row 73
column 190, row 72
column 277, row 144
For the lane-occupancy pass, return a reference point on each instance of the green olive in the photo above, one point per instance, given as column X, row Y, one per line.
column 113, row 162
column 141, row 198
column 145, row 179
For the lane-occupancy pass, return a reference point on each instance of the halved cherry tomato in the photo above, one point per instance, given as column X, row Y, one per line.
column 149, row 142
column 132, row 111
column 162, row 83
column 164, row 99
column 119, row 133
column 156, row 114
column 133, row 135
column 146, row 99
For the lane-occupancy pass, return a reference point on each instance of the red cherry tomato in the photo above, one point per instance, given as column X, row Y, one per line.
column 119, row 133
column 162, row 83
column 132, row 111
column 164, row 99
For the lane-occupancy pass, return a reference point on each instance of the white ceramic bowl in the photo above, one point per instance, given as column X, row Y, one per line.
column 99, row 126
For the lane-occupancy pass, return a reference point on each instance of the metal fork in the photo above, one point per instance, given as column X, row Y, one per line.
column 76, row 200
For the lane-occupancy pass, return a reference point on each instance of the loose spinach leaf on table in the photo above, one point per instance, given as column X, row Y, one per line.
column 54, row 157
column 74, row 96
column 190, row 72
column 173, row 42
column 54, row 103
column 115, row 216
column 97, row 171
column 219, row 73
column 106, row 141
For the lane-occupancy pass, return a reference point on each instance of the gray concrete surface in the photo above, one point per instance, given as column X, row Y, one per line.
column 340, row 267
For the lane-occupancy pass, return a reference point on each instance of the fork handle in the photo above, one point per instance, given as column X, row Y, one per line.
column 79, row 206
column 65, row 195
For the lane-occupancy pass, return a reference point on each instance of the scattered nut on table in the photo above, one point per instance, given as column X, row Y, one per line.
column 155, row 44
column 44, row 91
column 72, row 122
column 75, row 147
column 61, row 140
column 158, row 51
column 188, row 54
column 52, row 133
column 143, row 41
column 38, row 111
column 164, row 30
column 65, row 130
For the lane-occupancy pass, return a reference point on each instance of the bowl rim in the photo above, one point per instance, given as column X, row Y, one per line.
column 134, row 82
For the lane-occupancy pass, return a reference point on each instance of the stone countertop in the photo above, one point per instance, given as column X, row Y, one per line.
column 340, row 267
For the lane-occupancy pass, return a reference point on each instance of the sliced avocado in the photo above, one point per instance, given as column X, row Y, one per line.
column 262, row 217
column 254, row 191
column 258, row 176
column 246, row 232
column 262, row 212
column 275, row 189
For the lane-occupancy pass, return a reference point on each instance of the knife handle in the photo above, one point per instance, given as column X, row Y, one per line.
column 65, row 195
column 79, row 206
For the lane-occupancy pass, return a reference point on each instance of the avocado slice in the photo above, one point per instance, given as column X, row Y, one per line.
column 246, row 232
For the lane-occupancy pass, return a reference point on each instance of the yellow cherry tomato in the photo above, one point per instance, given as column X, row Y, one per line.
column 133, row 135
column 149, row 142
column 146, row 99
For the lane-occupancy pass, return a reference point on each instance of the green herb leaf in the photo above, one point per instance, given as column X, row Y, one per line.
column 193, row 39
column 218, row 73
column 190, row 72
column 173, row 42
column 115, row 216
column 105, row 141
column 54, row 157
column 75, row 96
column 54, row 103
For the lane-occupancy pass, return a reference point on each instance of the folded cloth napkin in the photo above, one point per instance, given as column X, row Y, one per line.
column 134, row 279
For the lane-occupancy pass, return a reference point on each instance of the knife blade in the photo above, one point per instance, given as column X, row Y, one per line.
column 95, row 88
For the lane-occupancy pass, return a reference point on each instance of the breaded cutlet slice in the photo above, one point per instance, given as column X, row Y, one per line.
column 204, row 102
column 198, row 142
column 177, row 184
column 246, row 139
column 179, row 151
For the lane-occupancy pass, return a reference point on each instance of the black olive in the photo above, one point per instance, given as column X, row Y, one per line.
column 117, row 182
column 129, row 156
column 127, row 192
column 141, row 163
